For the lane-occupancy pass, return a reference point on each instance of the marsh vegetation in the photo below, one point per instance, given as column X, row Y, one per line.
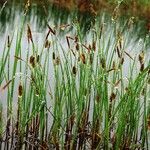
column 73, row 80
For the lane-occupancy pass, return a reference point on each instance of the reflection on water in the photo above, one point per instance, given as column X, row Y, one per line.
column 40, row 16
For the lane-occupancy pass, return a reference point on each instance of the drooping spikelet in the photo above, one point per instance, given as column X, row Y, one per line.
column 29, row 34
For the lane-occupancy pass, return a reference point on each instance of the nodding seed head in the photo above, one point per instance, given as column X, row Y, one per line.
column 32, row 61
column 47, row 44
column 74, row 70
column 20, row 90
column 29, row 34
column 82, row 56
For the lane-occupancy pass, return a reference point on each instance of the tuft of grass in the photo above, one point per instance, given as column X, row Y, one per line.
column 78, row 91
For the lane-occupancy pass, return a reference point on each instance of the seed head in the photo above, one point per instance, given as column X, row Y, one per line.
column 74, row 70
column 57, row 61
column 82, row 56
column 103, row 63
column 76, row 39
column 142, row 67
column 32, row 61
column 20, row 90
column 94, row 45
column 112, row 96
column 77, row 46
column 47, row 44
column 141, row 57
column 53, row 56
column 29, row 34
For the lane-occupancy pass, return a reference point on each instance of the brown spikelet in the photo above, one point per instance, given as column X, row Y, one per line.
column 148, row 122
column 47, row 44
column 74, row 70
column 29, row 34
column 141, row 57
column 82, row 56
column 77, row 46
column 103, row 63
column 76, row 39
column 142, row 67
column 89, row 47
column 121, row 60
column 20, row 90
column 53, row 56
column 94, row 45
column 112, row 96
column 57, row 61
column 32, row 61
column 92, row 9
column 120, row 43
column 114, row 65
column 38, row 58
